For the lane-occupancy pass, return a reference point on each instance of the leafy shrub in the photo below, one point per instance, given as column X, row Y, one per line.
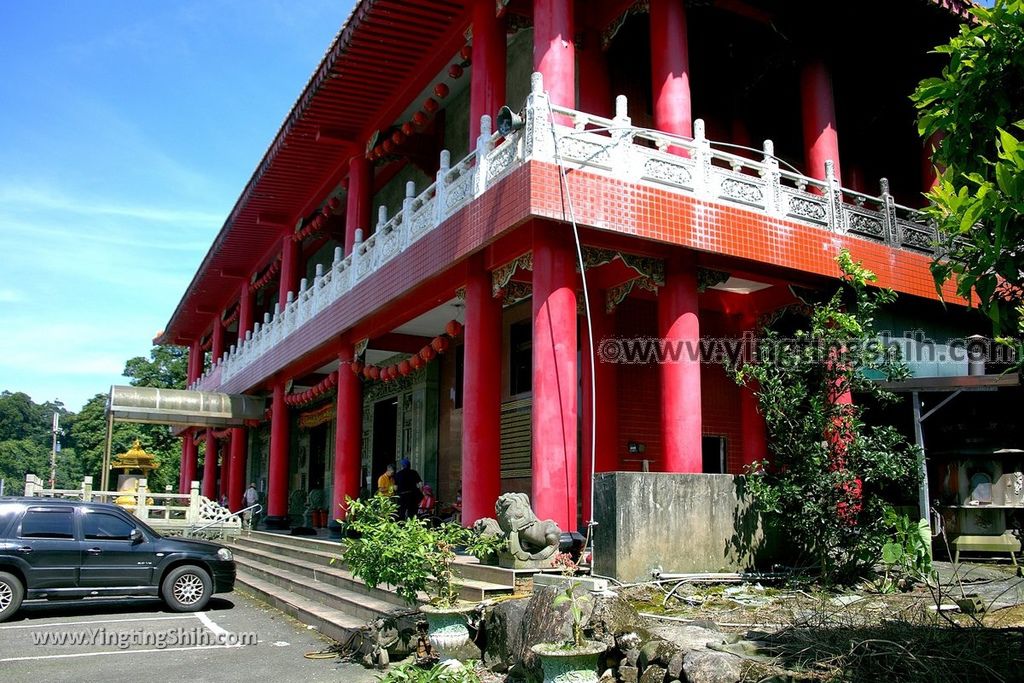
column 409, row 555
column 829, row 477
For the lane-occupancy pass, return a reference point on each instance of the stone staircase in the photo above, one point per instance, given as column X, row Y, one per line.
column 295, row 575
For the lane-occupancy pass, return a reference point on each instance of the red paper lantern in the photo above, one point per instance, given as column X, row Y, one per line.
column 440, row 344
column 326, row 211
column 466, row 52
column 416, row 362
column 453, row 328
column 388, row 146
column 408, row 129
column 442, row 90
column 455, row 71
column 374, row 372
column 404, row 368
column 420, row 119
column 428, row 354
column 398, row 137
column 431, row 105
column 356, row 367
column 334, row 203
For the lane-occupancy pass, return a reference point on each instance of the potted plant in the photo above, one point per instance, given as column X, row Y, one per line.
column 573, row 660
column 413, row 558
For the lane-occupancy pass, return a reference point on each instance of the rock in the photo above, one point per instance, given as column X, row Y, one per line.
column 707, row 666
column 688, row 637
column 613, row 616
column 629, row 674
column 607, row 676
column 503, row 626
column 653, row 674
column 675, row 665
column 657, row 651
column 632, row 656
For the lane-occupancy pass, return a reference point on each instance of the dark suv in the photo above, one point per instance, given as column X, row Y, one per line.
column 60, row 549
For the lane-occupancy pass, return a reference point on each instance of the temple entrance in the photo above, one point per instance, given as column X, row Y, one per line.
column 317, row 456
column 385, row 437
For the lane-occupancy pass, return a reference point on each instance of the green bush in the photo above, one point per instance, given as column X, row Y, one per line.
column 409, row 555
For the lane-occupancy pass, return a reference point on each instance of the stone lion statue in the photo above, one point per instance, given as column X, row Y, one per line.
column 531, row 542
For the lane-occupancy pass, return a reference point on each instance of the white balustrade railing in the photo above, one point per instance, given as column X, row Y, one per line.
column 178, row 513
column 612, row 147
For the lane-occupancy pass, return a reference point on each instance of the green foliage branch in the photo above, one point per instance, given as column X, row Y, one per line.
column 974, row 110
column 410, row 555
column 830, row 477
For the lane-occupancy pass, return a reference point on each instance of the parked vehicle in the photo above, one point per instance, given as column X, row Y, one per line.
column 63, row 549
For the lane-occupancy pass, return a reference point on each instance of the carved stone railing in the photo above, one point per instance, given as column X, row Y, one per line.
column 612, row 147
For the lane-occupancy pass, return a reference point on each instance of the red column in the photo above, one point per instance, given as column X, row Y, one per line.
column 605, row 434
column 554, row 376
column 753, row 431
column 209, row 487
column 236, row 479
column 195, row 361
column 348, row 435
column 289, row 270
column 357, row 208
column 188, row 462
column 277, row 491
column 217, row 347
column 481, row 405
column 679, row 327
column 246, row 302
column 670, row 68
column 818, row 111
column 554, row 54
column 487, row 84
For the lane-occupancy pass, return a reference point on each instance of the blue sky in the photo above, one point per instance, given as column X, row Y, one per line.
column 127, row 131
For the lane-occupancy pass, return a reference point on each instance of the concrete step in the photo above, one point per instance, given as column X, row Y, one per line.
column 312, row 554
column 306, row 542
column 315, row 563
column 470, row 568
column 359, row 606
column 329, row 621
column 337, row 577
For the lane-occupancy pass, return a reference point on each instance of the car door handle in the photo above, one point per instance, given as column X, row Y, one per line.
column 94, row 551
column 25, row 549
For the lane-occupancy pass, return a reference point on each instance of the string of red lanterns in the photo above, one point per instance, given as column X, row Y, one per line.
column 313, row 394
column 407, row 366
column 421, row 118
column 319, row 222
column 271, row 271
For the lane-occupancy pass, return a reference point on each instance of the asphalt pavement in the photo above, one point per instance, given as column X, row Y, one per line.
column 237, row 638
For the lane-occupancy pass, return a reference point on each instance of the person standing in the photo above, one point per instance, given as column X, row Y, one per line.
column 407, row 487
column 386, row 482
column 250, row 498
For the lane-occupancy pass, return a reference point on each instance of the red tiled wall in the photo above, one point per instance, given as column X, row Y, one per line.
column 639, row 388
column 720, row 397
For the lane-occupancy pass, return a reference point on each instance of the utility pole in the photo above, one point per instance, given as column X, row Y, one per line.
column 53, row 451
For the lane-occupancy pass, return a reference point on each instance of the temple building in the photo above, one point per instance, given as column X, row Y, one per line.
column 409, row 275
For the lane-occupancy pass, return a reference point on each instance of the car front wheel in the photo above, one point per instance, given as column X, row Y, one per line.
column 11, row 595
column 186, row 588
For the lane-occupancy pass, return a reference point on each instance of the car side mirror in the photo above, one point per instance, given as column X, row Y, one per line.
column 136, row 536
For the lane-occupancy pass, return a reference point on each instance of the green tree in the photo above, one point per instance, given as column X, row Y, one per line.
column 165, row 368
column 830, row 477
column 19, row 457
column 975, row 108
